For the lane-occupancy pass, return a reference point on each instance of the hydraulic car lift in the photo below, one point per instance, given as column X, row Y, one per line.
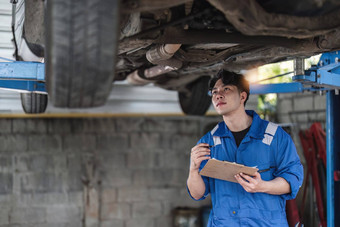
column 323, row 77
column 30, row 76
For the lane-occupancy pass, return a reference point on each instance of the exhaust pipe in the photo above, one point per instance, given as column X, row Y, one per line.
column 162, row 52
column 145, row 76
column 161, row 56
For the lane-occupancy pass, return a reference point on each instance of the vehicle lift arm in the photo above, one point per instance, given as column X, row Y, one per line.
column 23, row 76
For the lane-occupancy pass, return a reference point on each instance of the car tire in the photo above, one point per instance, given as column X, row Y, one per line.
column 33, row 103
column 196, row 101
column 81, row 43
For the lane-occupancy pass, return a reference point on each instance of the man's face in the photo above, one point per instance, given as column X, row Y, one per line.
column 226, row 98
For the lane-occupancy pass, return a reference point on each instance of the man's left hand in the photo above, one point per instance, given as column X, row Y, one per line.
column 250, row 184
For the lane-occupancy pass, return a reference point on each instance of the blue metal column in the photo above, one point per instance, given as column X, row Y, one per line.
column 330, row 164
column 336, row 156
column 333, row 158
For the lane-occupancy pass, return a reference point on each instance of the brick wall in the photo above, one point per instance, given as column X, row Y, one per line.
column 301, row 108
column 96, row 172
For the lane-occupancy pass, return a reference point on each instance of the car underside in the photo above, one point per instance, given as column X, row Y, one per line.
column 179, row 44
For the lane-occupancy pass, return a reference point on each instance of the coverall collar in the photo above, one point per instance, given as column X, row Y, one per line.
column 256, row 130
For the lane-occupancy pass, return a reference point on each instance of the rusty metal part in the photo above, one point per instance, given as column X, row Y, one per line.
column 162, row 52
column 188, row 6
column 130, row 25
column 179, row 21
column 175, row 35
column 132, row 45
column 330, row 41
column 160, row 55
column 250, row 18
column 172, row 62
column 299, row 66
column 136, row 79
column 158, row 70
column 142, row 77
column 129, row 6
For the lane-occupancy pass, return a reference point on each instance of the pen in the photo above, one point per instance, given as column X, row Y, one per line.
column 265, row 170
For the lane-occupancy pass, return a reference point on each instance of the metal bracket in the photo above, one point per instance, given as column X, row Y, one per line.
column 325, row 75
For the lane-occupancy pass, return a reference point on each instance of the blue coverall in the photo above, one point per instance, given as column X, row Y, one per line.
column 265, row 146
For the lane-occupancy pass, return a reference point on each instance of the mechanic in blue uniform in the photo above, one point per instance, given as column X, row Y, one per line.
column 243, row 137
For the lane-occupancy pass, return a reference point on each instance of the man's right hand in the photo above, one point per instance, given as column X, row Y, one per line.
column 199, row 153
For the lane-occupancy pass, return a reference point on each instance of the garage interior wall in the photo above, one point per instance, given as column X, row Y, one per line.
column 301, row 109
column 117, row 171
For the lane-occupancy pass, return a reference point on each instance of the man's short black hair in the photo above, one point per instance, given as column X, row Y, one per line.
column 231, row 78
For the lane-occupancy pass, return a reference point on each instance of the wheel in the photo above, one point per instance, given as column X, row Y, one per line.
column 81, row 42
column 34, row 102
column 196, row 101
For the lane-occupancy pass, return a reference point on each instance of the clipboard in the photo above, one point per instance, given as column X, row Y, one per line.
column 224, row 170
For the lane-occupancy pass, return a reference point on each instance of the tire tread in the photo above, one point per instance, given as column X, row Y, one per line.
column 85, row 31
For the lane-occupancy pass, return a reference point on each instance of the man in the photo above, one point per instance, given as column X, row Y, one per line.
column 243, row 137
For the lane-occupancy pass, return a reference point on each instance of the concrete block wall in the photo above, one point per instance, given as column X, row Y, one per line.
column 104, row 172
column 301, row 108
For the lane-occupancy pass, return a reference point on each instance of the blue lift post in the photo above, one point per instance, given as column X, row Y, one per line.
column 330, row 156
column 324, row 76
column 333, row 158
column 30, row 76
column 327, row 74
column 336, row 157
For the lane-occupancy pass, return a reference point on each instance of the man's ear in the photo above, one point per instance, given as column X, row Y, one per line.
column 243, row 96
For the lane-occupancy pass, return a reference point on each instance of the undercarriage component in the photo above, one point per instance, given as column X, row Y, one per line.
column 176, row 35
column 162, row 55
column 330, row 41
column 162, row 52
column 170, row 43
column 142, row 77
column 299, row 66
column 129, row 6
column 130, row 25
column 137, row 78
column 250, row 18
